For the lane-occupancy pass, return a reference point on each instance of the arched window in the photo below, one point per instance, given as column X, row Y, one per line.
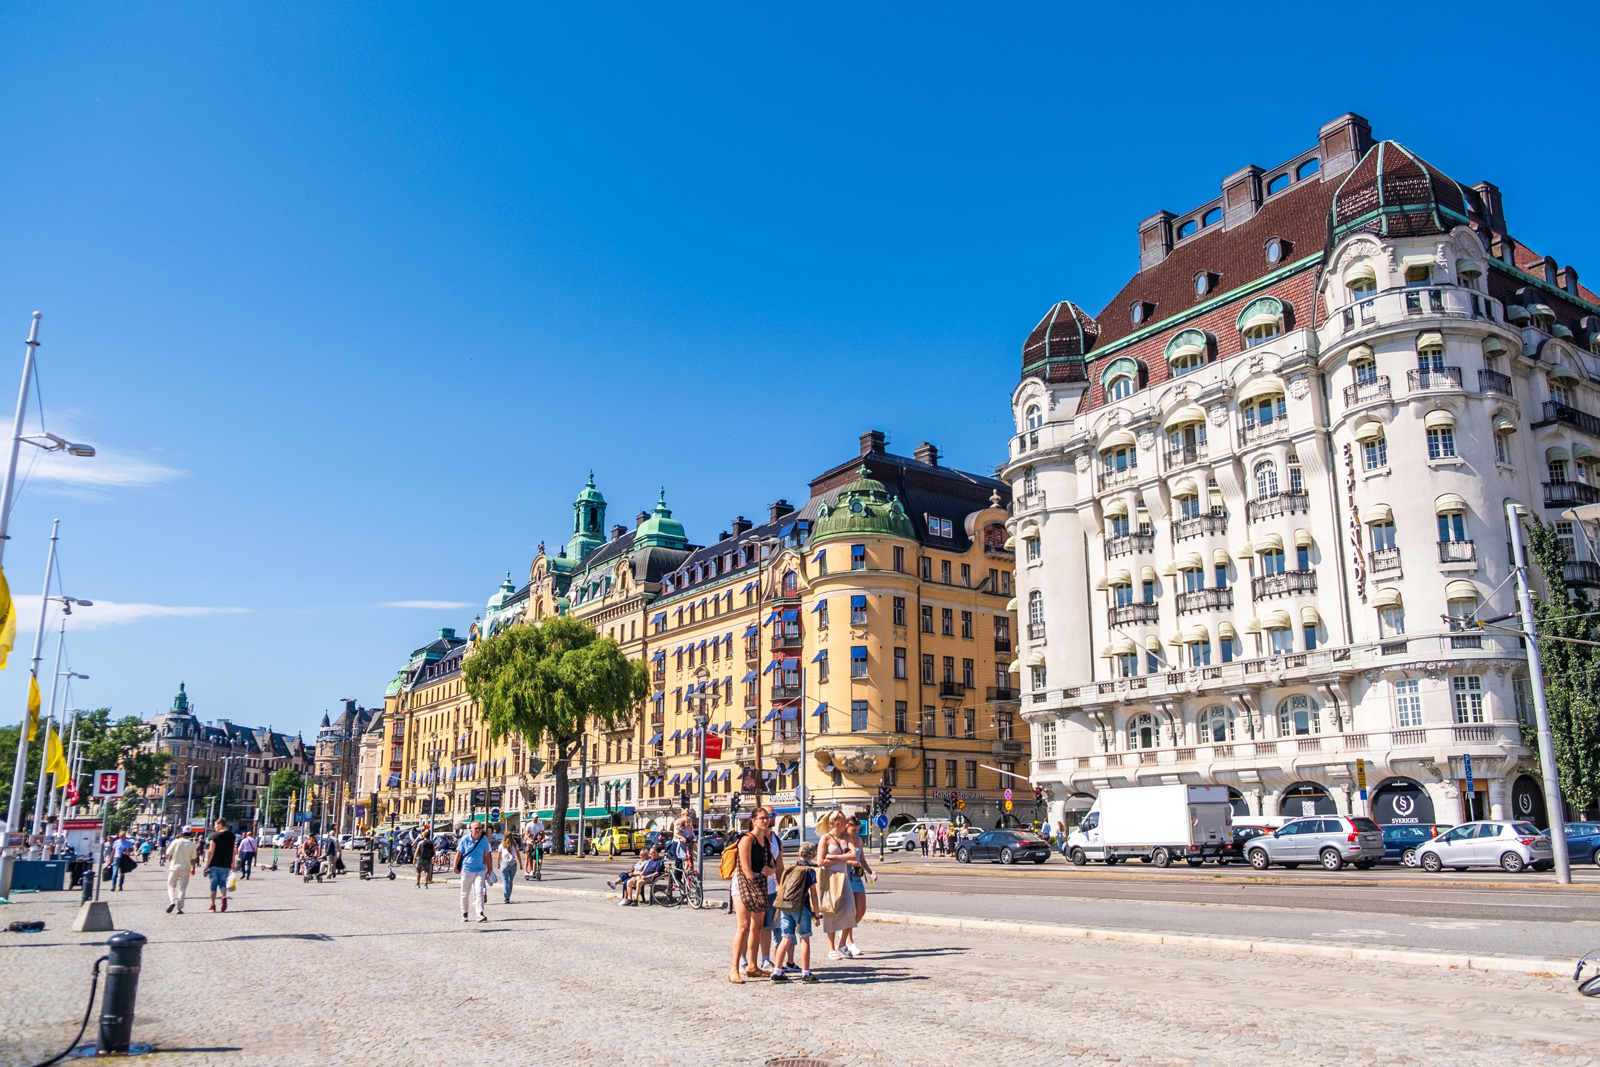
column 1216, row 725
column 1187, row 228
column 1261, row 320
column 1143, row 732
column 1212, row 217
column 1036, row 608
column 1030, row 482
column 791, row 582
column 1266, row 473
column 1120, row 388
column 1034, row 417
column 1188, row 506
column 1299, row 716
column 1278, row 184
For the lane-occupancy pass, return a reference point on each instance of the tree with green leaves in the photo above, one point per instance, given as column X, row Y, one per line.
column 1571, row 671
column 550, row 684
column 286, row 784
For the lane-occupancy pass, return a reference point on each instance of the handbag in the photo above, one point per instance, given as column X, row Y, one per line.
column 835, row 891
column 233, row 880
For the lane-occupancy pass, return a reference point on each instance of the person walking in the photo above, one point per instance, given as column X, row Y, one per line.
column 219, row 863
column 750, row 894
column 508, row 864
column 796, row 904
column 120, row 847
column 247, row 854
column 424, row 853
column 474, row 860
column 922, row 837
column 836, row 855
column 769, row 923
column 145, row 848
column 182, row 855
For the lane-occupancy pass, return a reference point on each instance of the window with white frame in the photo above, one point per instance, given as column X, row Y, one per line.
column 1030, row 482
column 1034, row 416
column 1502, row 448
column 1299, row 716
column 1467, row 691
column 1391, row 621
column 1281, row 642
column 1441, row 442
column 1407, row 705
column 1120, row 388
column 1522, row 699
column 1047, row 740
column 1266, row 476
column 1143, row 732
column 1566, row 537
column 1033, row 549
column 1216, row 725
column 1036, row 608
column 1375, row 453
column 1038, row 678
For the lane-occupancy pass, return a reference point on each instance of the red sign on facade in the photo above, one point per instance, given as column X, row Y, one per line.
column 108, row 784
column 713, row 746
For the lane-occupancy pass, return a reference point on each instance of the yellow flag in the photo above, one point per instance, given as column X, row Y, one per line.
column 55, row 761
column 8, row 620
column 33, row 709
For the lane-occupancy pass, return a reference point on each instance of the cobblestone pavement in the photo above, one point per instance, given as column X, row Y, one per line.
column 380, row 971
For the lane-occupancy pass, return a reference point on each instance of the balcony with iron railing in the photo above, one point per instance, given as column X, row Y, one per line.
column 1266, row 507
column 1130, row 614
column 1204, row 600
column 1184, row 455
column 1581, row 572
column 784, row 641
column 1033, row 501
column 995, row 694
column 1036, row 631
column 1128, row 544
column 1422, row 379
column 752, row 651
column 1367, row 392
column 1284, row 583
column 1405, row 305
column 785, row 692
column 1199, row 526
column 1383, row 560
column 1255, row 433
column 1569, row 494
column 1554, row 411
column 1458, row 552
column 951, row 690
column 1118, row 476
column 1492, row 381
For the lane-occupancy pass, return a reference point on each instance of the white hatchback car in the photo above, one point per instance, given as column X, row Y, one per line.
column 1511, row 846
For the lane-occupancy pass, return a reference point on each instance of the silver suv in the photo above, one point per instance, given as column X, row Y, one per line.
column 1331, row 840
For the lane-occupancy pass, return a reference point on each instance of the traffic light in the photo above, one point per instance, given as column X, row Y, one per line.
column 1038, row 794
column 733, row 803
column 884, row 797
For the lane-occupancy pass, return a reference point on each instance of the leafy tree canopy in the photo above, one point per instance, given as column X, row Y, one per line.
column 1572, row 672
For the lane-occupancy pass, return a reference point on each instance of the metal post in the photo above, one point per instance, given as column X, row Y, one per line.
column 188, row 804
column 105, row 833
column 49, row 724
column 1541, row 711
column 19, row 774
column 16, row 434
column 700, row 720
column 800, row 790
column 222, row 798
column 583, row 780
column 122, row 989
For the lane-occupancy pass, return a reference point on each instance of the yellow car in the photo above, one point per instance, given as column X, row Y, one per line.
column 617, row 839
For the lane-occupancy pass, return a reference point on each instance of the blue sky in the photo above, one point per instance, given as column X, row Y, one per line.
column 352, row 298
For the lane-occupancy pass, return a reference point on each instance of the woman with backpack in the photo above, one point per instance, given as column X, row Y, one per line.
column 750, row 899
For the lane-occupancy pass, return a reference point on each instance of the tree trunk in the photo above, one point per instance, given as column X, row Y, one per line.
column 558, row 813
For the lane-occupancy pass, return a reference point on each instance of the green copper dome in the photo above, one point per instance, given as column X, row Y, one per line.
column 864, row 506
column 661, row 529
column 588, row 522
column 590, row 493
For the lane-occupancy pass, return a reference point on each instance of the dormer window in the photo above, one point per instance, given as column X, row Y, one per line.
column 1120, row 387
column 1139, row 312
column 1034, row 416
column 938, row 527
column 1278, row 250
column 1187, row 351
column 1204, row 282
column 1261, row 321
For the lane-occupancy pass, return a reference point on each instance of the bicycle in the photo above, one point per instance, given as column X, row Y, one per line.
column 1589, row 987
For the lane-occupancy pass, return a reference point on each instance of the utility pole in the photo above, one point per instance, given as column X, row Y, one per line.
column 583, row 780
column 188, row 804
column 1541, row 711
column 19, row 774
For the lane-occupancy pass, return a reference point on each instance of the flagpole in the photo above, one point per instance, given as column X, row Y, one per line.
column 19, row 775
column 49, row 724
column 16, row 437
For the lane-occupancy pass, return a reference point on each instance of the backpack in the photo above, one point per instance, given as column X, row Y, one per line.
column 795, row 888
column 730, row 858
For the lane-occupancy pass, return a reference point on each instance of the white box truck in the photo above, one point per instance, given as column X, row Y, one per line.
column 1156, row 823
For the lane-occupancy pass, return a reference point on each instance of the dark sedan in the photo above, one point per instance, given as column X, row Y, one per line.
column 713, row 843
column 1401, row 840
column 1583, row 842
column 1233, row 851
column 1007, row 846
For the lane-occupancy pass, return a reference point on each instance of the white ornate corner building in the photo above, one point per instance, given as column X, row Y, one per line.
column 1253, row 493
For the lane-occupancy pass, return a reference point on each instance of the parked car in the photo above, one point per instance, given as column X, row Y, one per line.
column 617, row 839
column 789, row 837
column 713, row 842
column 1511, row 846
column 1234, row 850
column 1007, row 846
column 1332, row 840
column 905, row 837
column 1401, row 840
column 1583, row 842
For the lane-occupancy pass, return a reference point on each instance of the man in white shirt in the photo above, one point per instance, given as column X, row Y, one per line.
column 182, row 855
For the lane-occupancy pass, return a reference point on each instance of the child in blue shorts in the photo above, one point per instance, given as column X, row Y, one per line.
column 797, row 902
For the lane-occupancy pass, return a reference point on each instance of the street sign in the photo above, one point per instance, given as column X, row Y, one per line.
column 109, row 784
column 961, row 803
column 713, row 746
column 1466, row 765
column 494, row 814
column 1008, row 805
column 881, row 822
column 1008, row 794
column 1361, row 777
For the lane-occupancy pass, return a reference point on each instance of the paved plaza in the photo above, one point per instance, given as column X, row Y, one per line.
column 365, row 972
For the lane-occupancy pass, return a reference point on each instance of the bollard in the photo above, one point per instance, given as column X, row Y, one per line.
column 122, row 987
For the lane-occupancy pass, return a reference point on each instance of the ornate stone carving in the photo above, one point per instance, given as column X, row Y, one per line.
column 1147, row 441
column 1081, row 461
column 1219, row 415
column 1119, row 417
column 1300, row 388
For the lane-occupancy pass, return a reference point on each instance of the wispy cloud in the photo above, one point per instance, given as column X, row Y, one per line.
column 428, row 605
column 104, row 470
column 110, row 613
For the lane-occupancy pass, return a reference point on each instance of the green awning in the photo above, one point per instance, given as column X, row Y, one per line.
column 588, row 813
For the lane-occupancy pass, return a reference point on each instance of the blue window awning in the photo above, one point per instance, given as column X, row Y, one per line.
column 726, row 773
column 786, row 531
column 660, row 619
column 818, row 606
column 750, row 677
column 677, row 689
column 791, row 614
column 656, row 698
column 656, row 738
column 678, row 651
column 752, row 631
column 791, row 663
column 820, row 656
column 752, row 721
column 727, row 728
column 790, row 714
column 688, row 690
column 820, row 553
column 821, row 709
column 704, row 643
column 770, row 716
column 676, row 778
column 727, row 681
column 858, row 601
column 676, row 734
column 774, row 665
column 747, row 587
column 773, row 617
column 660, row 655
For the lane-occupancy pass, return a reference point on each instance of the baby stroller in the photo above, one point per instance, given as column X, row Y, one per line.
column 311, row 868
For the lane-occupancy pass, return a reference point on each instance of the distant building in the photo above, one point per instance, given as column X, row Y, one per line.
column 338, row 761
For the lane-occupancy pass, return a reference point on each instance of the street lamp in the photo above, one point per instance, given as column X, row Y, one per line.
column 702, row 719
column 758, row 544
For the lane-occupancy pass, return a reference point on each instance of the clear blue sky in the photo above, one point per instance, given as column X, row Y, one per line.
column 352, row 298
